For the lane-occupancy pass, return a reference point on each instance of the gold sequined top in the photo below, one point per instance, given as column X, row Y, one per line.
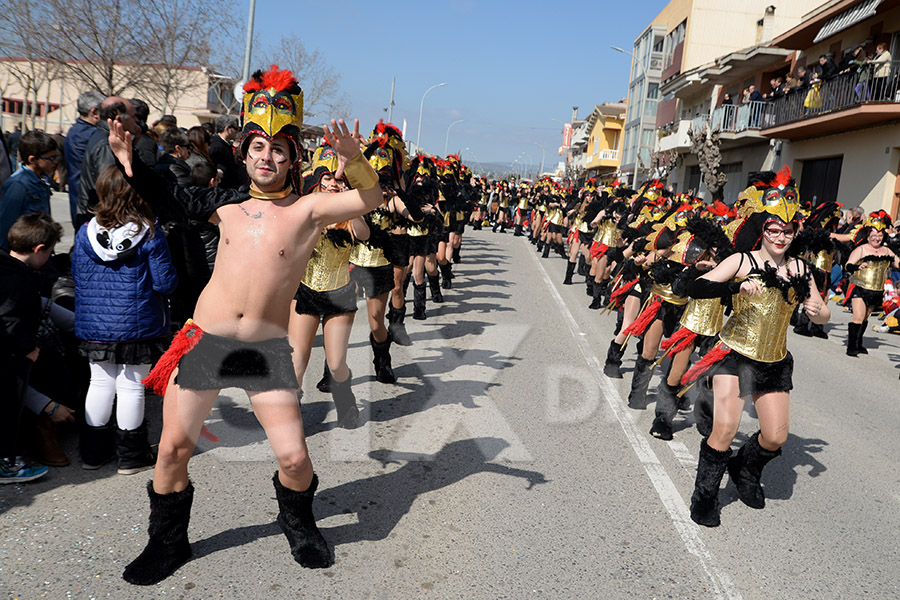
column 328, row 267
column 555, row 216
column 504, row 200
column 664, row 291
column 607, row 233
column 417, row 229
column 872, row 277
column 704, row 316
column 758, row 327
column 580, row 224
column 365, row 254
column 523, row 203
column 484, row 199
column 822, row 260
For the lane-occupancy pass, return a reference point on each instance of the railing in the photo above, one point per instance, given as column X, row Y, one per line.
column 609, row 155
column 872, row 83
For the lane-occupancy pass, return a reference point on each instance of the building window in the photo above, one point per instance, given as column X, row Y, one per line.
column 653, row 91
column 820, row 180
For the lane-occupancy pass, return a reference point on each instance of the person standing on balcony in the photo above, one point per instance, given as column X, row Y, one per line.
column 881, row 73
column 826, row 67
column 753, row 94
column 726, row 99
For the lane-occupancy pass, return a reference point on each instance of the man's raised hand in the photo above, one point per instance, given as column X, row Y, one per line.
column 344, row 142
column 120, row 143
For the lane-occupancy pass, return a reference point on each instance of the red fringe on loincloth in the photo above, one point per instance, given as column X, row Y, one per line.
column 183, row 342
column 640, row 325
column 709, row 360
column 598, row 249
column 680, row 340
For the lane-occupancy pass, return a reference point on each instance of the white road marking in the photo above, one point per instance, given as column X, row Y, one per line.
column 721, row 584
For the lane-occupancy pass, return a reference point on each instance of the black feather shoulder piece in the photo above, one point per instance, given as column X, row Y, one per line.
column 341, row 238
column 798, row 281
column 811, row 240
column 664, row 272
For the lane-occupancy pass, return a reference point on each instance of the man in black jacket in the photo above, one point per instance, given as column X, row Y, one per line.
column 221, row 151
column 171, row 163
column 98, row 156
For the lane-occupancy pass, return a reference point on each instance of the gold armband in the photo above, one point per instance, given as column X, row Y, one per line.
column 360, row 174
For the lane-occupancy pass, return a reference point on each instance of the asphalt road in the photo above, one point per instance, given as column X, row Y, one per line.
column 503, row 464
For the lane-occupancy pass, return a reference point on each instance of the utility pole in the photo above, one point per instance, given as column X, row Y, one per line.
column 248, row 48
column 391, row 107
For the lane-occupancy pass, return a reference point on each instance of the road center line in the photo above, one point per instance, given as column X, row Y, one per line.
column 720, row 582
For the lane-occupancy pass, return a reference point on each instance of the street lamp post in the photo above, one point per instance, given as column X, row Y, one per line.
column 248, row 47
column 447, row 138
column 421, row 106
column 640, row 145
column 543, row 154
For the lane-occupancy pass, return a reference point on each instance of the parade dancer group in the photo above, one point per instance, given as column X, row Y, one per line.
column 297, row 250
column 672, row 267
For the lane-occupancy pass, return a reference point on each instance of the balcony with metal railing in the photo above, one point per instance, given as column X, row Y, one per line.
column 863, row 97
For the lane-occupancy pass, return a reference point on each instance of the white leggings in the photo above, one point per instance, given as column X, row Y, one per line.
column 108, row 381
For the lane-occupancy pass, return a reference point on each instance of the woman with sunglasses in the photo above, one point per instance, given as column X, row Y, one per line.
column 764, row 284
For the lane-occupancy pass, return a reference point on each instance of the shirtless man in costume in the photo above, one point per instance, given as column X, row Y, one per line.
column 239, row 333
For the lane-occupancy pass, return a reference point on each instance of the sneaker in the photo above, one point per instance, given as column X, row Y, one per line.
column 19, row 472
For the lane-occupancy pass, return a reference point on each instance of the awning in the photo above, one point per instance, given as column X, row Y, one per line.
column 846, row 19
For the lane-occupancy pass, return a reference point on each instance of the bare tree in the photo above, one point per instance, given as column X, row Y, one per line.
column 320, row 82
column 705, row 144
column 662, row 162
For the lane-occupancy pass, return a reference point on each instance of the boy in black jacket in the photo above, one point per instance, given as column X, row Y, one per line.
column 31, row 242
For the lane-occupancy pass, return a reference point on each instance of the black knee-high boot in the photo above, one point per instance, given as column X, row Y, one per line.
column 589, row 286
column 456, row 257
column 97, row 446
column 168, row 547
column 612, row 367
column 419, row 301
column 597, row 301
column 583, row 268
column 435, row 284
column 703, row 407
column 665, row 411
column 620, row 320
column 518, row 231
column 295, row 517
column 446, row 275
column 546, row 252
column 570, row 270
column 345, row 402
column 396, row 328
column 859, row 337
column 853, row 339
column 324, row 384
column 803, row 324
column 384, row 373
column 133, row 450
column 745, row 470
column 705, row 499
column 640, row 381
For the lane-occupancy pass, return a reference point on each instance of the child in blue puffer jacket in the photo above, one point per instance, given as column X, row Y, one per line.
column 122, row 272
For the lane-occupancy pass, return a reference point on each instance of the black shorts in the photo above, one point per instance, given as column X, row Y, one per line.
column 217, row 362
column 458, row 228
column 399, row 253
column 332, row 302
column 374, row 281
column 556, row 228
column 670, row 315
column 419, row 244
column 872, row 298
column 755, row 377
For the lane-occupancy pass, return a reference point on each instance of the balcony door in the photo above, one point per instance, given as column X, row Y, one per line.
column 820, row 179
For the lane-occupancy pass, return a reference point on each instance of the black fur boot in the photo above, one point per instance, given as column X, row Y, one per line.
column 295, row 517
column 419, row 301
column 324, row 384
column 818, row 330
column 589, row 286
column 705, row 499
column 434, row 283
column 97, row 446
column 518, row 231
column 570, row 270
column 540, row 245
column 546, row 253
column 384, row 373
column 853, row 339
column 345, row 402
column 613, row 365
column 396, row 328
column 133, row 450
column 859, row 337
column 583, row 268
column 620, row 320
column 803, row 323
column 446, row 275
column 640, row 381
column 597, row 301
column 666, row 409
column 457, row 259
column 168, row 547
column 745, row 470
column 703, row 407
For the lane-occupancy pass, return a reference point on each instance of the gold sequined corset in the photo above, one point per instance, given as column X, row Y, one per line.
column 382, row 218
column 704, row 316
column 504, row 201
column 607, row 233
column 579, row 223
column 367, row 255
column 873, row 276
column 822, row 260
column 758, row 327
column 417, row 229
column 484, row 200
column 523, row 203
column 664, row 291
column 328, row 267
column 555, row 216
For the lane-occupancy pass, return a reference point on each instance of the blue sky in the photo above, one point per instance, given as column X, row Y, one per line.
column 510, row 67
